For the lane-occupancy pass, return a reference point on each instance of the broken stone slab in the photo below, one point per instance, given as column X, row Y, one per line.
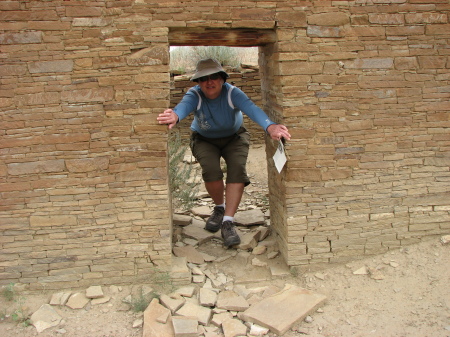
column 138, row 323
column 229, row 300
column 445, row 240
column 202, row 314
column 190, row 242
column 173, row 303
column 163, row 318
column 264, row 232
column 101, row 300
column 282, row 310
column 202, row 211
column 207, row 297
column 181, row 219
column 258, row 263
column 94, row 292
column 197, row 231
column 45, row 317
column 249, row 240
column 187, row 291
column 257, row 330
column 250, row 218
column 207, row 257
column 219, row 318
column 180, row 270
column 280, row 270
column 153, row 328
column 185, row 326
column 60, row 298
column 376, row 274
column 361, row 271
column 233, row 328
column 77, row 301
column 191, row 254
column 259, row 250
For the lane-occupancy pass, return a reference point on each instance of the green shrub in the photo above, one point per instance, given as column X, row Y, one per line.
column 185, row 58
column 182, row 175
column 8, row 292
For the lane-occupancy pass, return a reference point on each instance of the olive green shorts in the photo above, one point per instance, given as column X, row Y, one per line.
column 233, row 149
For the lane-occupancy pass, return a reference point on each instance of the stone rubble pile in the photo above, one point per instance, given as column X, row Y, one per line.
column 209, row 302
column 217, row 304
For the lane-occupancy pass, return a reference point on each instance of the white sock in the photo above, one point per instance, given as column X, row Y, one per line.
column 228, row 218
column 222, row 205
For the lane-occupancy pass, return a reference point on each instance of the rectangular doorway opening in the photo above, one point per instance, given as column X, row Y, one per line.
column 253, row 76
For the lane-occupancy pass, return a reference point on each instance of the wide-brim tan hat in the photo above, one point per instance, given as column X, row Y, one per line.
column 207, row 67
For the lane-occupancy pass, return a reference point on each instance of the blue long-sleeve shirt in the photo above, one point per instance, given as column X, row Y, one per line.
column 222, row 116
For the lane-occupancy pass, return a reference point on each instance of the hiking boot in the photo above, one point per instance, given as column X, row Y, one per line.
column 229, row 235
column 214, row 222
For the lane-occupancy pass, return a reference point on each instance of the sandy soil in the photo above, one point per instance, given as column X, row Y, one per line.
column 405, row 293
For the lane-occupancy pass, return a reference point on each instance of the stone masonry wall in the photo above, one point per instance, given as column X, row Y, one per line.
column 362, row 85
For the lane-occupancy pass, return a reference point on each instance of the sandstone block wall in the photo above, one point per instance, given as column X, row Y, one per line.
column 363, row 86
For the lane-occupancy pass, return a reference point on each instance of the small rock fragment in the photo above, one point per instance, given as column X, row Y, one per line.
column 361, row 271
column 94, row 292
column 77, row 301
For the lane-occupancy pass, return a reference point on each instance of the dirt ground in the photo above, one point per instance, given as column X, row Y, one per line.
column 406, row 293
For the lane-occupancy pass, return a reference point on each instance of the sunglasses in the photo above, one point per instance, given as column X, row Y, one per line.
column 210, row 77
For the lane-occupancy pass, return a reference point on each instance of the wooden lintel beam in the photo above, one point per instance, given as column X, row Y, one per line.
column 221, row 37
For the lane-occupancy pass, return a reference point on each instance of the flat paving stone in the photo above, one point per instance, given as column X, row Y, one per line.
column 185, row 326
column 152, row 327
column 282, row 310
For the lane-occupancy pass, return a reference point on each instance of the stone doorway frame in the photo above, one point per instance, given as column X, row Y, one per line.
column 266, row 40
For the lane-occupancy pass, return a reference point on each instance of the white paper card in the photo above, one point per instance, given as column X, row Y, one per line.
column 279, row 157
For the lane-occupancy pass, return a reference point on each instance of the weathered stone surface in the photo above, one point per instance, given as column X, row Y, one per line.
column 87, row 164
column 45, row 317
column 185, row 326
column 257, row 330
column 233, row 328
column 191, row 254
column 219, row 318
column 94, row 292
column 202, row 314
column 45, row 166
column 60, row 298
column 149, row 56
column 258, row 250
column 77, row 301
column 57, row 66
column 19, row 38
column 101, row 300
column 181, row 219
column 207, row 297
column 87, row 95
column 329, row 19
column 180, row 271
column 153, row 328
column 187, row 291
column 202, row 211
column 173, row 303
column 229, row 300
column 250, row 218
column 282, row 310
column 249, row 240
column 197, row 231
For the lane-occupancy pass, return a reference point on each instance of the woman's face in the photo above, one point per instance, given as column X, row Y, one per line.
column 211, row 85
